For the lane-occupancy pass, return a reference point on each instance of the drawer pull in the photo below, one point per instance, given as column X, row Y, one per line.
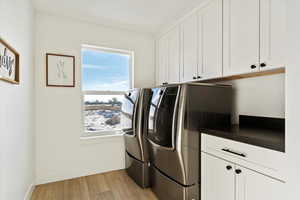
column 235, row 153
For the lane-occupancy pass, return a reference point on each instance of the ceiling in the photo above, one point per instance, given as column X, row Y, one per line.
column 142, row 15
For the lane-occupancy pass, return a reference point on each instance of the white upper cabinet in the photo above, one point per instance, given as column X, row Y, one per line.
column 210, row 40
column 217, row 179
column 251, row 185
column 241, row 36
column 273, row 33
column 169, row 58
column 254, row 35
column 189, row 48
column 174, row 56
column 162, row 69
column 224, row 38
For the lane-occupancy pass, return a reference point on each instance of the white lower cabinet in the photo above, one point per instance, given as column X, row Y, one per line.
column 251, row 185
column 217, row 178
column 224, row 180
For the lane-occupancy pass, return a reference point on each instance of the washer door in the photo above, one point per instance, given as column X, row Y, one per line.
column 130, row 122
column 128, row 112
column 161, row 116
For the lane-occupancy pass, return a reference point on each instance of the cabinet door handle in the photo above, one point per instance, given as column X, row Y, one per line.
column 165, row 83
column 228, row 167
column 194, row 77
column 263, row 65
column 233, row 152
column 238, row 171
column 199, row 77
column 253, row 66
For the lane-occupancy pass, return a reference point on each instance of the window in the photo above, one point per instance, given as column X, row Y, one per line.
column 106, row 75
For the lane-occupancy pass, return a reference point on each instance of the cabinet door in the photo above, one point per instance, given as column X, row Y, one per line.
column 273, row 33
column 162, row 68
column 217, row 182
column 174, row 56
column 210, row 40
column 189, row 50
column 241, row 36
column 251, row 185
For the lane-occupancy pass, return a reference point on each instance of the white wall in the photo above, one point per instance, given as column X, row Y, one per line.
column 259, row 96
column 60, row 153
column 293, row 100
column 17, row 103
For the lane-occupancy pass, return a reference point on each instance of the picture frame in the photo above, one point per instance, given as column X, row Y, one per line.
column 60, row 70
column 9, row 63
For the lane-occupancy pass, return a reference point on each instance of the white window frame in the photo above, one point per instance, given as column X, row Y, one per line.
column 92, row 134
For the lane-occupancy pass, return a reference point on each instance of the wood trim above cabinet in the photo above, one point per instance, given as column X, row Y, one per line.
column 246, row 75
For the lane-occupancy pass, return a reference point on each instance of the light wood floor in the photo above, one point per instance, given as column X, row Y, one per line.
column 114, row 185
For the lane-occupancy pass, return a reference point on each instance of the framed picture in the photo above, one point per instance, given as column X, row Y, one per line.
column 9, row 63
column 60, row 70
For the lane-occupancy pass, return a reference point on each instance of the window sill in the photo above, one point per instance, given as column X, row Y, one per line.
column 92, row 139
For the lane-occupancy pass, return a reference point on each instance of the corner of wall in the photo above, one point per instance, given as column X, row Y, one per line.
column 29, row 192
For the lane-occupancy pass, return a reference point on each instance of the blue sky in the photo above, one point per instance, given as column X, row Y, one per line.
column 104, row 71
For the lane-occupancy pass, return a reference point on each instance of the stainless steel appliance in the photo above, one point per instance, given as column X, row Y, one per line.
column 177, row 112
column 134, row 125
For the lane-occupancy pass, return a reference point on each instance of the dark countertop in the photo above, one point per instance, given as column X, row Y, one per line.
column 263, row 137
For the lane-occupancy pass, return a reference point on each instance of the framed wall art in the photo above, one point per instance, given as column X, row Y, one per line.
column 60, row 70
column 9, row 63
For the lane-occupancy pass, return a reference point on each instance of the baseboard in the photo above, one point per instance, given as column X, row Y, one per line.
column 29, row 192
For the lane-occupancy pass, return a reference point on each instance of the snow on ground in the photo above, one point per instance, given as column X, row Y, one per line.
column 102, row 120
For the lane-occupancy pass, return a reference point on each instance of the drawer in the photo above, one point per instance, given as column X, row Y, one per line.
column 262, row 160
